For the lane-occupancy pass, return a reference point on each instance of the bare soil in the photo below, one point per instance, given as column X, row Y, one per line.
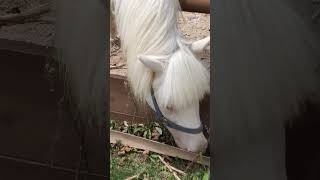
column 39, row 33
column 193, row 25
column 9, row 5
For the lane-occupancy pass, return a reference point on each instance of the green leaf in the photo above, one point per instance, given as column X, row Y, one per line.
column 131, row 130
column 159, row 130
column 163, row 168
column 112, row 124
column 139, row 129
column 149, row 134
column 145, row 134
column 205, row 176
column 153, row 157
column 195, row 178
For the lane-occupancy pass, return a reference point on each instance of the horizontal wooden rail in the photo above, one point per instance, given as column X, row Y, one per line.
column 145, row 144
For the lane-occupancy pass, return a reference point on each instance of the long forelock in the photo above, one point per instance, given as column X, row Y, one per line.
column 150, row 27
column 186, row 80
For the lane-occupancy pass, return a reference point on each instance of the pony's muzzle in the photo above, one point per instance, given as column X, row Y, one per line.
column 194, row 143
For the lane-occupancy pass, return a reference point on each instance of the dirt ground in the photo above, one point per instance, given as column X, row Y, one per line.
column 9, row 6
column 37, row 32
column 194, row 26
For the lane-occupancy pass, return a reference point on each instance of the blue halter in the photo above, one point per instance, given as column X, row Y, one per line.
column 160, row 117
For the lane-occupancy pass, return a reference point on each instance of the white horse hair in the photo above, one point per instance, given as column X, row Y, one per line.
column 150, row 27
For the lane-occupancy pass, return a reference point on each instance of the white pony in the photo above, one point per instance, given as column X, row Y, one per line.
column 159, row 57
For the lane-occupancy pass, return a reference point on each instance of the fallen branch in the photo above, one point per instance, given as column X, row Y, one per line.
column 170, row 169
column 160, row 148
column 133, row 177
column 118, row 66
column 22, row 17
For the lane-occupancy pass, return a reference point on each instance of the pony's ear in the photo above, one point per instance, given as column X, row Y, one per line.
column 200, row 45
column 152, row 62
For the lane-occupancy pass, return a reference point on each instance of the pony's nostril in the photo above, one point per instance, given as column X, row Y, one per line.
column 169, row 108
column 201, row 146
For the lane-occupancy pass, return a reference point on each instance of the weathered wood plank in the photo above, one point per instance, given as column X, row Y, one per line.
column 142, row 143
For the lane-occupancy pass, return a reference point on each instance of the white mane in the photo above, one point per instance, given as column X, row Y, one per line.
column 150, row 27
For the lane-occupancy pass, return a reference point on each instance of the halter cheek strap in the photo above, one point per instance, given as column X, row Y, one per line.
column 160, row 117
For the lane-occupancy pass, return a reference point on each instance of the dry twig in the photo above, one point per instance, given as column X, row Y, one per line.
column 133, row 177
column 171, row 169
column 117, row 66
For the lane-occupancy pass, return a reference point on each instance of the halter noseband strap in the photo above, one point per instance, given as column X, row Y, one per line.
column 168, row 123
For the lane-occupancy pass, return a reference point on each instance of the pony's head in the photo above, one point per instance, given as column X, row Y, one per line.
column 158, row 57
column 180, row 81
